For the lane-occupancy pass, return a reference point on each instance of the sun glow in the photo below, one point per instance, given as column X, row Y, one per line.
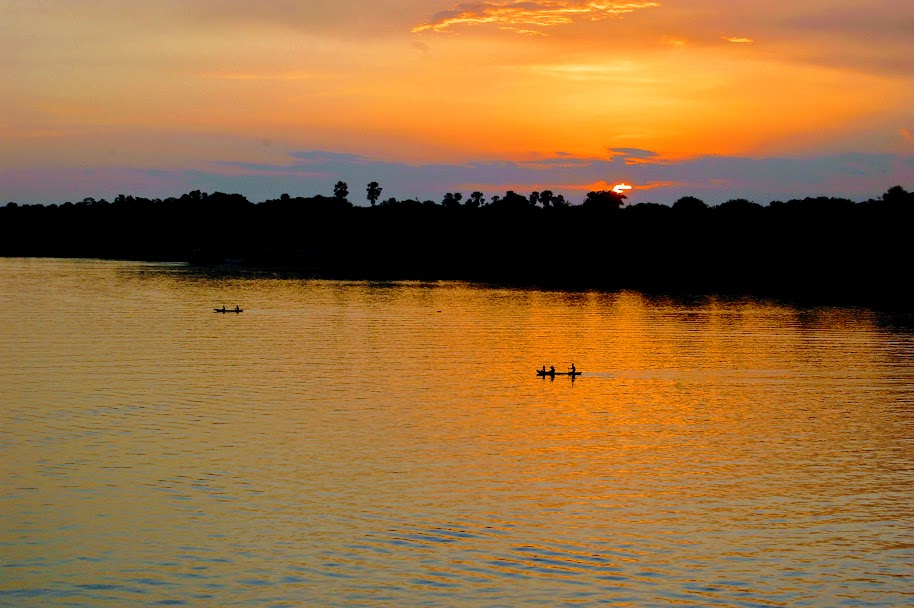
column 621, row 188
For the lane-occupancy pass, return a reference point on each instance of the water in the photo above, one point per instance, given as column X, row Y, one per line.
column 353, row 444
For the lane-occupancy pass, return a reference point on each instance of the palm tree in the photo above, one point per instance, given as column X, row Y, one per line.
column 374, row 191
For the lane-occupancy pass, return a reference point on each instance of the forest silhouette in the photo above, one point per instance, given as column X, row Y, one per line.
column 814, row 249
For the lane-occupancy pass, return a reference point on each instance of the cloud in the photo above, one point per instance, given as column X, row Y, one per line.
column 519, row 16
column 738, row 39
column 632, row 153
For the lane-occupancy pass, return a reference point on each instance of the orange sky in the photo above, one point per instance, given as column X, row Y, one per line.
column 192, row 85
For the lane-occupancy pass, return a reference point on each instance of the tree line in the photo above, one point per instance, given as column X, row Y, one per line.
column 819, row 249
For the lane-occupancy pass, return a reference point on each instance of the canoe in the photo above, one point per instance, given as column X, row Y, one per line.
column 540, row 372
column 227, row 310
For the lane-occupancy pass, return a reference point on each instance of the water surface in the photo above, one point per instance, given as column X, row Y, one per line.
column 351, row 444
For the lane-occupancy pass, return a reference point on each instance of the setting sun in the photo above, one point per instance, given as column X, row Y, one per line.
column 621, row 188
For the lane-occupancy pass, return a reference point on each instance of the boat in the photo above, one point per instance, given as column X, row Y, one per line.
column 225, row 310
column 541, row 372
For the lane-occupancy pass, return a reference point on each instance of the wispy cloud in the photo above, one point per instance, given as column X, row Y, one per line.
column 519, row 15
column 634, row 154
column 523, row 32
column 739, row 39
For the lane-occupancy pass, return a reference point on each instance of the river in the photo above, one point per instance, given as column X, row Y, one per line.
column 389, row 444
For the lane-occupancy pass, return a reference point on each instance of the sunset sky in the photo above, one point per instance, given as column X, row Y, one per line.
column 762, row 99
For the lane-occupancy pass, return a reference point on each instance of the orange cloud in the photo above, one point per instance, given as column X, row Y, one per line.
column 522, row 31
column 518, row 15
column 592, row 187
column 738, row 39
column 908, row 135
column 654, row 185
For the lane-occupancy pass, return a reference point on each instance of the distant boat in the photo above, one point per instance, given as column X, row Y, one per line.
column 224, row 309
column 541, row 372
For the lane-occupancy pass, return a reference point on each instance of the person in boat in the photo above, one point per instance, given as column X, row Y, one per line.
column 552, row 369
column 572, row 368
column 544, row 369
column 223, row 308
column 237, row 309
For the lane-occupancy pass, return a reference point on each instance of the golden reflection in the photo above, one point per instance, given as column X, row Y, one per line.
column 397, row 435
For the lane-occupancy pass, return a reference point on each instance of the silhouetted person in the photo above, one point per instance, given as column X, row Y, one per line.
column 572, row 368
column 237, row 309
column 552, row 369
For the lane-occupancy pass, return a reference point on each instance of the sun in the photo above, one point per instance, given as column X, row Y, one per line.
column 621, row 188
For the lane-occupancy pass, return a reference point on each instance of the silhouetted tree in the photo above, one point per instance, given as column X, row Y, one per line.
column 690, row 204
column 739, row 202
column 511, row 200
column 895, row 194
column 738, row 206
column 803, row 248
column 341, row 190
column 603, row 199
column 546, row 198
column 534, row 198
column 452, row 199
column 476, row 199
column 374, row 191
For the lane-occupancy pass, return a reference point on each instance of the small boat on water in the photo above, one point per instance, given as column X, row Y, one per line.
column 225, row 310
column 544, row 373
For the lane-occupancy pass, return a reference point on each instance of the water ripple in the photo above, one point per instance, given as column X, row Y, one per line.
column 345, row 444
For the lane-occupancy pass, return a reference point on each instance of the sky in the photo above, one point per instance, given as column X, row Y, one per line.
column 760, row 99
